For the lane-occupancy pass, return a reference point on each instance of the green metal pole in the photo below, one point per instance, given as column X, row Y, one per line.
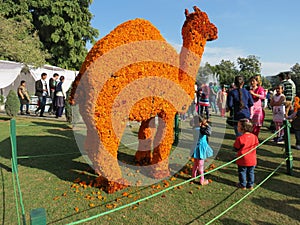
column 13, row 141
column 288, row 149
column 176, row 138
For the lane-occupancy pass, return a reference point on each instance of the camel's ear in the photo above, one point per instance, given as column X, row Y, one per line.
column 196, row 9
column 186, row 12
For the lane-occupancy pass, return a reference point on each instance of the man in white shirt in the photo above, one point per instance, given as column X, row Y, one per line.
column 41, row 91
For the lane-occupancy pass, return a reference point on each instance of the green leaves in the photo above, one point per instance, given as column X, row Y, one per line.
column 12, row 104
column 226, row 70
column 17, row 43
column 59, row 27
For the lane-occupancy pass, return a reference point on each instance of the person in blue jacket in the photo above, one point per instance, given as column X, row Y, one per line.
column 239, row 102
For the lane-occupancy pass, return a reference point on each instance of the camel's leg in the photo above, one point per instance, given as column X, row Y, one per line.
column 162, row 145
column 146, row 131
column 103, row 154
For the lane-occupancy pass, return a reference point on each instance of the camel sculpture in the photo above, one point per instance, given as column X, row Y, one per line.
column 134, row 73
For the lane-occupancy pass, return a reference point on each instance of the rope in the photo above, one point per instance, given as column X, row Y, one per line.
column 50, row 155
column 169, row 188
column 236, row 203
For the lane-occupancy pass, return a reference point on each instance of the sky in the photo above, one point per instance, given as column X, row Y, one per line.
column 268, row 29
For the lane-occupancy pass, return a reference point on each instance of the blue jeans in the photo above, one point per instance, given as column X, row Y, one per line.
column 42, row 101
column 297, row 135
column 246, row 175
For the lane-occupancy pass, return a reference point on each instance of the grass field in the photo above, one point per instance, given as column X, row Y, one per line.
column 47, row 181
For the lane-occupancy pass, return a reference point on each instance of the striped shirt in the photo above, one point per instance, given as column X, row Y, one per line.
column 287, row 90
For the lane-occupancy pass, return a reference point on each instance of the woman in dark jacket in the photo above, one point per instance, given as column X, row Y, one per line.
column 239, row 102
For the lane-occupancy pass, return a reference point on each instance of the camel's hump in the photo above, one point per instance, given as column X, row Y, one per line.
column 131, row 31
column 127, row 32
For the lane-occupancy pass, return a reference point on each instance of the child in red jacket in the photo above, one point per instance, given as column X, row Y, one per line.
column 247, row 142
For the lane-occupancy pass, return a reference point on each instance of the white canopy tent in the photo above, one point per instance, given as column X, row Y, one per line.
column 11, row 75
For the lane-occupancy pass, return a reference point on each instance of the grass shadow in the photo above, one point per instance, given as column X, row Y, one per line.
column 212, row 208
column 283, row 207
column 45, row 151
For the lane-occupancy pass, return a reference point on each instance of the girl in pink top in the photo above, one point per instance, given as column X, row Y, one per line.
column 257, row 111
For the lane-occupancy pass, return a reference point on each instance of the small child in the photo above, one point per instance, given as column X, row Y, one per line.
column 245, row 143
column 295, row 119
column 202, row 149
column 221, row 100
column 297, row 102
column 278, row 104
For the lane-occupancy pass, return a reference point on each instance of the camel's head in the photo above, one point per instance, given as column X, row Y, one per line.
column 198, row 22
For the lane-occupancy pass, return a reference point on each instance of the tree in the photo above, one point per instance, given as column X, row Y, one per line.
column 225, row 72
column 296, row 75
column 12, row 104
column 63, row 27
column 17, row 43
column 249, row 66
column 266, row 83
column 205, row 74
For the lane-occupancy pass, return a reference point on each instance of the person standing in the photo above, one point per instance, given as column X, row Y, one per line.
column 239, row 102
column 295, row 122
column 60, row 97
column 52, row 86
column 221, row 100
column 213, row 96
column 245, row 143
column 296, row 105
column 257, row 111
column 41, row 91
column 278, row 107
column 294, row 89
column 23, row 97
column 202, row 150
column 287, row 91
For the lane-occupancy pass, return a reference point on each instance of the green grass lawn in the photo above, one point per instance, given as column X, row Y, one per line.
column 48, row 182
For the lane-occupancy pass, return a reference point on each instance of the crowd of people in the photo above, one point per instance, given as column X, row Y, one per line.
column 54, row 91
column 246, row 108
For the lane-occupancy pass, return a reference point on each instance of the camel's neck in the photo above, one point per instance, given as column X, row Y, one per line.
column 191, row 51
column 190, row 57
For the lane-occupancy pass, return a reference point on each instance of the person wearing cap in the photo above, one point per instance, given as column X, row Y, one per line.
column 287, row 91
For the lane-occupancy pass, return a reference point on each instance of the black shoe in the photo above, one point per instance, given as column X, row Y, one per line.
column 28, row 113
column 42, row 116
column 22, row 113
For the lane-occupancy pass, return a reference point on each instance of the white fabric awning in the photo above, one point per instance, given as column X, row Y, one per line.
column 9, row 72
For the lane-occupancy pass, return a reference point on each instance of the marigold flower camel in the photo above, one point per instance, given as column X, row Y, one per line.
column 134, row 73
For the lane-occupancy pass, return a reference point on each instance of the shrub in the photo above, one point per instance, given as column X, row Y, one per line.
column 2, row 100
column 71, row 112
column 12, row 104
